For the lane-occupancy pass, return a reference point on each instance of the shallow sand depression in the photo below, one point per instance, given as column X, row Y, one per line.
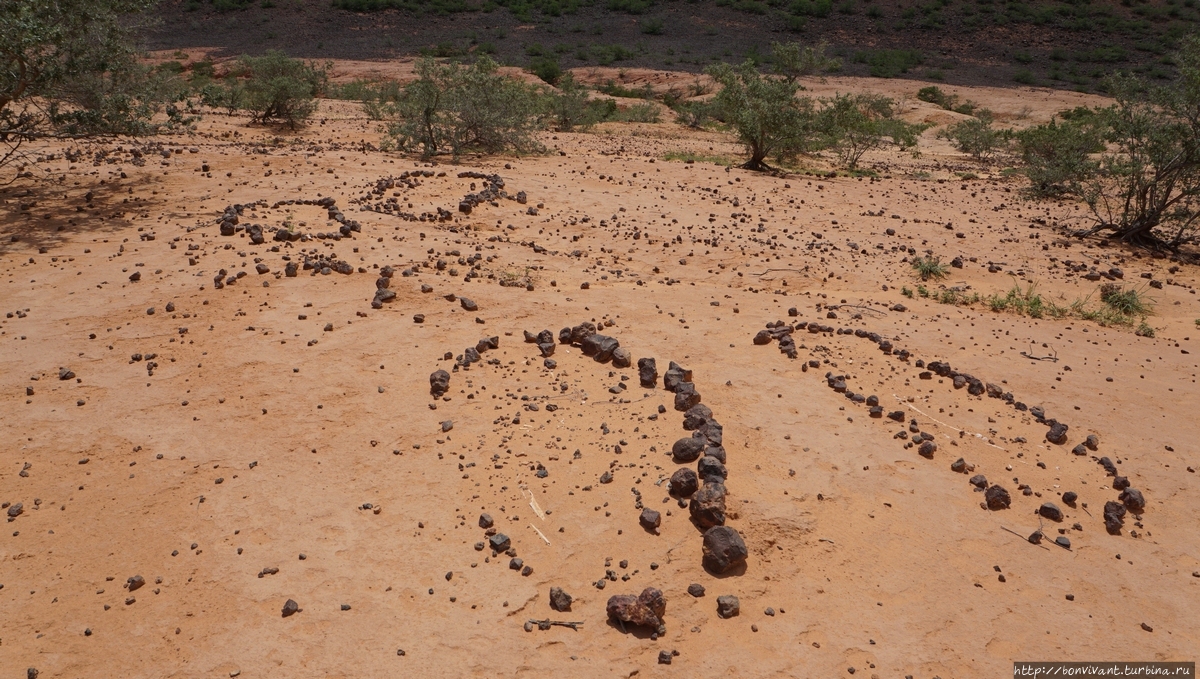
column 285, row 445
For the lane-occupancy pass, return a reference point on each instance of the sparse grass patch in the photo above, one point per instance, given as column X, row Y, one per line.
column 930, row 267
column 1125, row 301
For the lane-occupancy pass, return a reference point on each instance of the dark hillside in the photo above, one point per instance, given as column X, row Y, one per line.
column 1069, row 45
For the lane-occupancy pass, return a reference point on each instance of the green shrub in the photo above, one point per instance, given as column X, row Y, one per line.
column 889, row 63
column 71, row 67
column 547, row 69
column 638, row 113
column 652, row 26
column 693, row 113
column 631, row 6
column 1024, row 76
column 852, row 124
column 275, row 87
column 1057, row 156
column 793, row 60
column 934, row 95
column 454, row 109
column 570, row 107
column 816, row 8
column 976, row 136
column 764, row 112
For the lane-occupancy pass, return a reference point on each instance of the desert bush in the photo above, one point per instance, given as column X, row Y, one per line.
column 452, row 108
column 852, row 124
column 71, row 68
column 275, row 87
column 976, row 136
column 889, row 63
column 764, row 112
column 638, row 113
column 1058, row 155
column 693, row 113
column 547, row 69
column 793, row 60
column 570, row 107
column 1143, row 183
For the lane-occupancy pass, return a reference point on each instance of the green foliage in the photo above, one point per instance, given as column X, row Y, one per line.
column 1025, row 77
column 571, row 109
column 693, row 113
column 652, row 26
column 930, row 267
column 70, row 67
column 793, row 60
column 547, row 69
column 976, row 136
column 276, row 88
column 815, row 8
column 638, row 113
column 631, row 6
column 1144, row 184
column 889, row 63
column 1125, row 301
column 454, row 109
column 934, row 95
column 1058, row 155
column 612, row 89
column 764, row 112
column 375, row 96
column 853, row 124
column 1144, row 330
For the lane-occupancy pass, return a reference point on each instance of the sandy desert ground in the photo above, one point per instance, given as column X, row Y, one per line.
column 186, row 458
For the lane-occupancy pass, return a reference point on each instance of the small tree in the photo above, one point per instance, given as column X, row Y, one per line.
column 764, row 112
column 570, row 107
column 452, row 108
column 1058, row 155
column 279, row 88
column 976, row 136
column 853, row 124
column 69, row 68
column 793, row 60
column 1144, row 184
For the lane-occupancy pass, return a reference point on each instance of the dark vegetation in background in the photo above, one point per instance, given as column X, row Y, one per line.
column 1067, row 44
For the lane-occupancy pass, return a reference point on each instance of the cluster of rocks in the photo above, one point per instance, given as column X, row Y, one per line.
column 723, row 547
column 383, row 288
column 230, row 222
column 996, row 497
column 493, row 192
column 371, row 202
column 586, row 337
column 500, row 543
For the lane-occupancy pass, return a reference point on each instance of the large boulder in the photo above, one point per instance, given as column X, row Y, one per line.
column 599, row 347
column 439, row 383
column 687, row 449
column 684, row 482
column 724, row 549
column 686, row 396
column 707, row 505
column 647, row 372
column 696, row 416
column 647, row 609
column 997, row 497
